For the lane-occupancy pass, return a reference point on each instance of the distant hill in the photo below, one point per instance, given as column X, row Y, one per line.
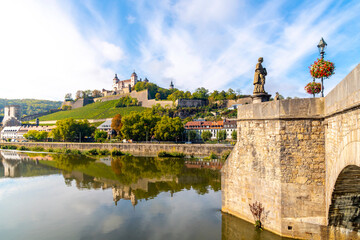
column 30, row 106
column 97, row 110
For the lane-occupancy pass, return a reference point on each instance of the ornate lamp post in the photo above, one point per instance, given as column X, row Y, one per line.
column 321, row 46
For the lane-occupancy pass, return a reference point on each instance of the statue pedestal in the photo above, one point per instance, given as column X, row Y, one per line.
column 260, row 97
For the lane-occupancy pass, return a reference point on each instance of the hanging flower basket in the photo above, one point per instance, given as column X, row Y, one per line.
column 322, row 68
column 313, row 88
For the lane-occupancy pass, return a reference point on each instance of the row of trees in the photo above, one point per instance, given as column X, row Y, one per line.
column 146, row 126
column 174, row 94
column 70, row 130
column 83, row 94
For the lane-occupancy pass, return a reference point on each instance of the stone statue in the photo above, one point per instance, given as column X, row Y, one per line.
column 259, row 78
column 277, row 96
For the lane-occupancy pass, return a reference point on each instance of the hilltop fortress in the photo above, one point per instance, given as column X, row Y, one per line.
column 123, row 86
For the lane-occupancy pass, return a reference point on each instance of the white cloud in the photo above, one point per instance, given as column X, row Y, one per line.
column 215, row 45
column 44, row 55
column 47, row 49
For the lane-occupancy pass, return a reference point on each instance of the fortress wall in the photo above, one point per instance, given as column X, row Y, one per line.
column 153, row 102
column 137, row 149
column 279, row 161
column 191, row 102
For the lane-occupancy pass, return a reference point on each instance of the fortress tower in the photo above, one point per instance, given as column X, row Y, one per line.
column 12, row 115
column 133, row 79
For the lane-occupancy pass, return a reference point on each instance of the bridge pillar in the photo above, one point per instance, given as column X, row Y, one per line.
column 279, row 161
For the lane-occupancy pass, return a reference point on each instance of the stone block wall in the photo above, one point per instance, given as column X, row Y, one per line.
column 137, row 149
column 191, row 103
column 342, row 129
column 279, row 160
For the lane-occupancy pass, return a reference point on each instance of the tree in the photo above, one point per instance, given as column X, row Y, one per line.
column 36, row 135
column 191, row 135
column 157, row 96
column 206, row 135
column 139, row 126
column 201, row 93
column 79, row 94
column 116, row 123
column 234, row 135
column 176, row 95
column 169, row 129
column 100, row 136
column 221, row 135
column 230, row 94
column 96, row 93
column 87, row 93
column 68, row 97
column 126, row 102
column 152, row 88
column 71, row 130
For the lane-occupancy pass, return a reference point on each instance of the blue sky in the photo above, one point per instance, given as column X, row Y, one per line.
column 49, row 48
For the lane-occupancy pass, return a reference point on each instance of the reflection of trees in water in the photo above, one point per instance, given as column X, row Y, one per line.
column 146, row 177
column 130, row 169
column 69, row 162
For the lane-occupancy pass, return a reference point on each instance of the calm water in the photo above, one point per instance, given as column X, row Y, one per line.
column 75, row 197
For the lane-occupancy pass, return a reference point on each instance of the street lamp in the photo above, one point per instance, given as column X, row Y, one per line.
column 321, row 46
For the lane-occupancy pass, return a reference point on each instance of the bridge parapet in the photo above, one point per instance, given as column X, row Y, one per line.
column 345, row 95
column 302, row 108
column 279, row 160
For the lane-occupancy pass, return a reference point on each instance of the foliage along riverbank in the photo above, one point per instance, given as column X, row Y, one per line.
column 113, row 152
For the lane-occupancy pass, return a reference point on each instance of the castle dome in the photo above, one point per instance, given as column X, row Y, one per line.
column 134, row 74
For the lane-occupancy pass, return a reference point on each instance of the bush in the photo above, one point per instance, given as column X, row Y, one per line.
column 11, row 147
column 171, row 154
column 37, row 149
column 67, row 151
column 104, row 152
column 93, row 151
column 225, row 155
column 75, row 151
column 22, row 148
column 213, row 156
column 115, row 152
column 51, row 150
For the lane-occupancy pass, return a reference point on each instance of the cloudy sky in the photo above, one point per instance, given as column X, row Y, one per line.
column 49, row 48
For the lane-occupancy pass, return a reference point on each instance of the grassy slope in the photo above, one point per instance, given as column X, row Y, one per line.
column 96, row 110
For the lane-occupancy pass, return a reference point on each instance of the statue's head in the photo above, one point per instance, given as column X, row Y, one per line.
column 261, row 59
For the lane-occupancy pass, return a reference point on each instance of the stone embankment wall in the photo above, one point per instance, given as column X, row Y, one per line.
column 278, row 161
column 138, row 149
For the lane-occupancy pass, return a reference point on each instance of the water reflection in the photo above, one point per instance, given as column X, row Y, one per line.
column 16, row 164
column 130, row 178
column 140, row 198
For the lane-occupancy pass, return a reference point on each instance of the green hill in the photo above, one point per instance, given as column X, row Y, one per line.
column 30, row 106
column 97, row 110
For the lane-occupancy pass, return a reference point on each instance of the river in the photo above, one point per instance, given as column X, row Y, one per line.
column 59, row 196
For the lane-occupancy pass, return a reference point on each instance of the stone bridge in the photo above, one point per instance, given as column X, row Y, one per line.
column 300, row 158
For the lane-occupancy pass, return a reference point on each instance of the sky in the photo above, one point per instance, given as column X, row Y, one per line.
column 53, row 47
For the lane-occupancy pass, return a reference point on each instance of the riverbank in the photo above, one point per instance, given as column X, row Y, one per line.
column 136, row 149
